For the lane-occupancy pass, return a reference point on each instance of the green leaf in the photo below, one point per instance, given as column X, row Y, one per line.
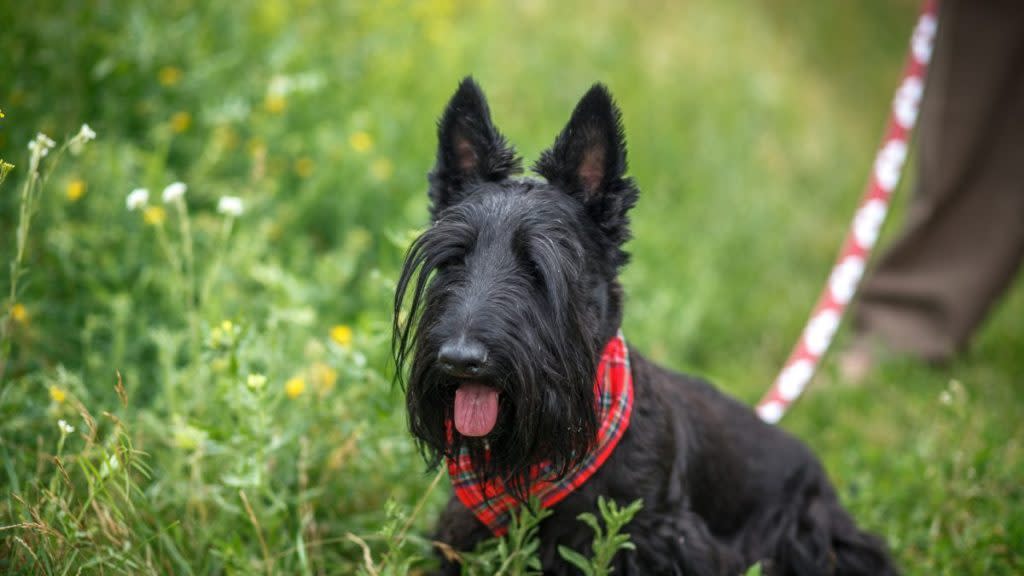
column 576, row 559
column 591, row 520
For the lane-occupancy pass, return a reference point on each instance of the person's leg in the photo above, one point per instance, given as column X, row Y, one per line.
column 964, row 235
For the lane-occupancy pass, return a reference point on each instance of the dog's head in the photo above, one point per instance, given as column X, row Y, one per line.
column 511, row 294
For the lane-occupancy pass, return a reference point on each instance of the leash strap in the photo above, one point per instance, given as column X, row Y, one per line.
column 867, row 222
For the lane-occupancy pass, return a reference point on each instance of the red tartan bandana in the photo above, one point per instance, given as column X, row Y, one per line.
column 613, row 389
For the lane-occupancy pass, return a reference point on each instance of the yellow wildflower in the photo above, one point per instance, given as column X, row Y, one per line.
column 2, row 115
column 227, row 326
column 342, row 335
column 19, row 314
column 361, row 142
column 75, row 190
column 186, row 436
column 294, row 387
column 257, row 147
column 358, row 238
column 181, row 121
column 324, row 377
column 304, row 167
column 57, row 395
column 438, row 31
column 381, row 169
column 169, row 75
column 275, row 103
column 274, row 231
column 226, row 137
column 154, row 215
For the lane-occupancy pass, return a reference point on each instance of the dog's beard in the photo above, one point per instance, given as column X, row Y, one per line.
column 546, row 413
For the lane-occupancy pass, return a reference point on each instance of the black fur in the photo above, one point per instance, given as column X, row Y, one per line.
column 528, row 269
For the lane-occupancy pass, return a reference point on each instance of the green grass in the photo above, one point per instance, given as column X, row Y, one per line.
column 751, row 128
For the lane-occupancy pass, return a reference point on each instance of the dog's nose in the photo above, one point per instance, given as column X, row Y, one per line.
column 462, row 357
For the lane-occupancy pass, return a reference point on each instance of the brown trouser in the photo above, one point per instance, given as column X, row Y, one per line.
column 964, row 234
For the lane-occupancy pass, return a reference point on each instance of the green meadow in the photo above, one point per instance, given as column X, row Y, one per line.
column 204, row 386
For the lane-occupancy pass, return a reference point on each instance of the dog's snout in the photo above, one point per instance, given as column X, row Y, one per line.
column 462, row 357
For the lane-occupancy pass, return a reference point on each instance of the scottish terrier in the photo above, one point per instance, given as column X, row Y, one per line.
column 517, row 377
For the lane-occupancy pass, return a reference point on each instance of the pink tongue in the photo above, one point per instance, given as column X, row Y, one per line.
column 476, row 409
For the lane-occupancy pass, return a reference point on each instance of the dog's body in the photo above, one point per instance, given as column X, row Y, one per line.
column 514, row 294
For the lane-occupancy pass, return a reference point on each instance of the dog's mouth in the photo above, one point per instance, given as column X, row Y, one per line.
column 476, row 409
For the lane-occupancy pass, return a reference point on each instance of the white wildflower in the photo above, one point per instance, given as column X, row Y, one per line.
column 174, row 191
column 85, row 134
column 65, row 427
column 230, row 205
column 111, row 465
column 279, row 86
column 41, row 145
column 256, row 381
column 946, row 398
column 137, row 198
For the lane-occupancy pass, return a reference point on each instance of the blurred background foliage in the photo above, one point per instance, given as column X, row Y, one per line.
column 255, row 424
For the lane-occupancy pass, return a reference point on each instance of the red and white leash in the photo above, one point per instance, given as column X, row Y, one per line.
column 867, row 222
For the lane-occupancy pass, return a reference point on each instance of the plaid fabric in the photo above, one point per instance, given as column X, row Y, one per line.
column 614, row 392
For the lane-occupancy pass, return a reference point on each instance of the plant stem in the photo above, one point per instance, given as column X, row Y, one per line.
column 26, row 208
column 222, row 249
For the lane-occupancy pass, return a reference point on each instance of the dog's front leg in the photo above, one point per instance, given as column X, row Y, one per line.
column 681, row 544
column 460, row 530
column 702, row 552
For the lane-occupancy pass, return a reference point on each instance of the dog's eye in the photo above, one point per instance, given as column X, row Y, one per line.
column 452, row 257
column 525, row 257
column 453, row 262
column 531, row 267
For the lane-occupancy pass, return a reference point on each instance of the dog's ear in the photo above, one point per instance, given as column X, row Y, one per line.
column 470, row 149
column 588, row 161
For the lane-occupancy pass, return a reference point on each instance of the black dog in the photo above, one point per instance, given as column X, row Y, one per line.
column 512, row 295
